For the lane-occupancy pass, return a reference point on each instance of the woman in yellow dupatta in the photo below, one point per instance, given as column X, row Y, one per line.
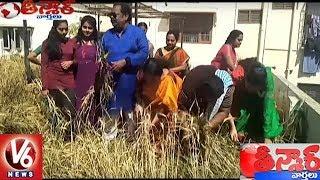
column 172, row 57
column 158, row 89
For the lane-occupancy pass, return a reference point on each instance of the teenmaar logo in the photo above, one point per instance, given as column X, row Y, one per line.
column 285, row 161
column 10, row 10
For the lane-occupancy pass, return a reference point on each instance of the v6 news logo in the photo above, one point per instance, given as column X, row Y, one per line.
column 21, row 156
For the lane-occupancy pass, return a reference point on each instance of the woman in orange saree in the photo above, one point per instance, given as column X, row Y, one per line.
column 158, row 89
column 173, row 57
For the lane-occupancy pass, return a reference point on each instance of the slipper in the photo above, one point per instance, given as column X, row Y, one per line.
column 111, row 135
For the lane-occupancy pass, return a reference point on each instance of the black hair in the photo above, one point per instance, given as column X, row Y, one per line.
column 257, row 77
column 175, row 34
column 153, row 67
column 125, row 10
column 255, row 72
column 54, row 40
column 211, row 89
column 234, row 34
column 94, row 36
column 143, row 24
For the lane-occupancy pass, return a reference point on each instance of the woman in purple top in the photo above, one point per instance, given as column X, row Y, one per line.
column 87, row 55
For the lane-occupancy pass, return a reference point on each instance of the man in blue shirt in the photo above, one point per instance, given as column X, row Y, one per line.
column 127, row 49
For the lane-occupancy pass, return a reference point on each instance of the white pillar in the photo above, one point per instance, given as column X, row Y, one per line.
column 290, row 42
column 262, row 32
column 235, row 15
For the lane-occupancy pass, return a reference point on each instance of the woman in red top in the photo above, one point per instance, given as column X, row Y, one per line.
column 57, row 70
column 226, row 58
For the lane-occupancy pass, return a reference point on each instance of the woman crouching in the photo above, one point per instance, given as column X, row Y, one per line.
column 158, row 91
column 254, row 105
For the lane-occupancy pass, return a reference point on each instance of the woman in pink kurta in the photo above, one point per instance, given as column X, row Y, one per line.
column 226, row 58
column 86, row 55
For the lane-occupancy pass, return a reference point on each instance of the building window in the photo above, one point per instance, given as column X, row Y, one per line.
column 6, row 39
column 13, row 38
column 276, row 6
column 249, row 16
column 197, row 27
column 17, row 38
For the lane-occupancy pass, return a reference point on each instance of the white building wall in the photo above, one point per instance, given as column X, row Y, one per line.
column 226, row 21
column 275, row 44
column 249, row 46
column 1, row 44
column 105, row 23
column 277, row 38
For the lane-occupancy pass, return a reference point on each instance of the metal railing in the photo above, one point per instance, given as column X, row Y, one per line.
column 298, row 109
column 197, row 37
